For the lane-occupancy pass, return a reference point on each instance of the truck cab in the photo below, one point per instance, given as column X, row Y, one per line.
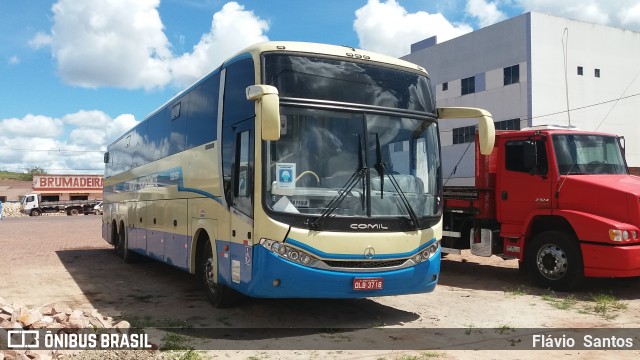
column 559, row 200
column 30, row 205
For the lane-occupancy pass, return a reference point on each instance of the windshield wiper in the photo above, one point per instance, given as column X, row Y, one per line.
column 383, row 169
column 360, row 172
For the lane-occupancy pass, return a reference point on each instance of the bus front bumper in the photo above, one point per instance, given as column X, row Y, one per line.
column 275, row 277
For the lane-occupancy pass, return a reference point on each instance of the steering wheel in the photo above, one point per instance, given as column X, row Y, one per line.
column 311, row 173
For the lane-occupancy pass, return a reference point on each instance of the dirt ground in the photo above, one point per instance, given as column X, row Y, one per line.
column 482, row 307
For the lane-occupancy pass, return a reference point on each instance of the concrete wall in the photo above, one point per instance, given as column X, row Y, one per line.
column 593, row 100
column 483, row 53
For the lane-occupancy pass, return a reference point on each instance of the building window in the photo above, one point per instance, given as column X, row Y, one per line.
column 511, row 124
column 597, row 73
column 580, row 70
column 445, row 86
column 463, row 135
column 468, row 85
column 467, row 134
column 512, row 75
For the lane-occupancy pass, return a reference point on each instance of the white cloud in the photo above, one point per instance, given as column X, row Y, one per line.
column 486, row 12
column 231, row 28
column 121, row 43
column 388, row 28
column 14, row 60
column 630, row 16
column 31, row 125
column 619, row 13
column 41, row 40
column 36, row 141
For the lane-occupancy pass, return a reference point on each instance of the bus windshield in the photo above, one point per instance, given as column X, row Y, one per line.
column 321, row 151
column 337, row 80
column 588, row 154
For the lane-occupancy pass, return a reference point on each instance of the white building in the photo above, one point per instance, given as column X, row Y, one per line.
column 516, row 70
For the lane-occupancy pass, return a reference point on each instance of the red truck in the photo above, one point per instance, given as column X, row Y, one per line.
column 559, row 200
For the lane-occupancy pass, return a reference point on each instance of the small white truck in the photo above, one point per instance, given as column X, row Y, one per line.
column 33, row 205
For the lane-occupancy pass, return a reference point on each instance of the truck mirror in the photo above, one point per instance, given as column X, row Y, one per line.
column 486, row 127
column 268, row 109
column 529, row 156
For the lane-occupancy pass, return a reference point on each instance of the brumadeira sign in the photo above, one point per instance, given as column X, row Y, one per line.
column 67, row 182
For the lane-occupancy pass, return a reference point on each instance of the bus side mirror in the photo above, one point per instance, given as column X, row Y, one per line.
column 106, row 158
column 268, row 108
column 486, row 128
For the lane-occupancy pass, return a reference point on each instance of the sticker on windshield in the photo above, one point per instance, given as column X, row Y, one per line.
column 286, row 175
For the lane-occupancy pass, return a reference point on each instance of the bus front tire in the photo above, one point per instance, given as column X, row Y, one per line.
column 219, row 296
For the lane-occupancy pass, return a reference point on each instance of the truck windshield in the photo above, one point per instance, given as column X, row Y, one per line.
column 588, row 154
column 319, row 152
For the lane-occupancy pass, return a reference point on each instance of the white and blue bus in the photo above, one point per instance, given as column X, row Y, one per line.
column 294, row 170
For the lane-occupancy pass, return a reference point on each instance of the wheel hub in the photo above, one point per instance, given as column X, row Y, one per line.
column 552, row 262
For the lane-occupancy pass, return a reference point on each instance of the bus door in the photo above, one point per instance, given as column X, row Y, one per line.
column 241, row 204
column 238, row 127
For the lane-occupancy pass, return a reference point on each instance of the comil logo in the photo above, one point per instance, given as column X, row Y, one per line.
column 368, row 227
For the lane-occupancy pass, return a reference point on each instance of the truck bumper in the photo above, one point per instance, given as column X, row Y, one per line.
column 611, row 261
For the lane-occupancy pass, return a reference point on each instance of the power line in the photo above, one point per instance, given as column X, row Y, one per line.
column 584, row 107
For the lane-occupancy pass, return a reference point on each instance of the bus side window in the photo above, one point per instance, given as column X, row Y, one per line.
column 243, row 173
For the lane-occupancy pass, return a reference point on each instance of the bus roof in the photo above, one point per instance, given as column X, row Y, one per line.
column 326, row 49
column 290, row 46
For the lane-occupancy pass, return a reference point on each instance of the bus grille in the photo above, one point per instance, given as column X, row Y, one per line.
column 365, row 264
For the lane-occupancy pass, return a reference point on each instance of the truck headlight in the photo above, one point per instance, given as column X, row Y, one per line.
column 623, row 235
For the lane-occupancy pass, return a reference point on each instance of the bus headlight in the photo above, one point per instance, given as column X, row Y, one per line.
column 288, row 252
column 427, row 253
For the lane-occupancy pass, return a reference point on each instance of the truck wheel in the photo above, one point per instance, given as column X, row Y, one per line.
column 73, row 212
column 35, row 212
column 219, row 296
column 555, row 260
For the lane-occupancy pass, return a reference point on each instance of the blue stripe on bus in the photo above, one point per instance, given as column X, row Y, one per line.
column 325, row 255
column 165, row 178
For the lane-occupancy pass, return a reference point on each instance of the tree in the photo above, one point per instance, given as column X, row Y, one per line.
column 36, row 170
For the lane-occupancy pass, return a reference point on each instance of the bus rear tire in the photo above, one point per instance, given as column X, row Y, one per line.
column 122, row 248
column 220, row 296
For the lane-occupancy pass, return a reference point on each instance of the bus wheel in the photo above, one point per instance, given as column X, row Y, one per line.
column 218, row 295
column 555, row 260
column 122, row 248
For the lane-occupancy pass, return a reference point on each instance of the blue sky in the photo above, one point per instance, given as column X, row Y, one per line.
column 76, row 74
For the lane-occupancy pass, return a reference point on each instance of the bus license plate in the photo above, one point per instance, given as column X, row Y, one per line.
column 367, row 284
